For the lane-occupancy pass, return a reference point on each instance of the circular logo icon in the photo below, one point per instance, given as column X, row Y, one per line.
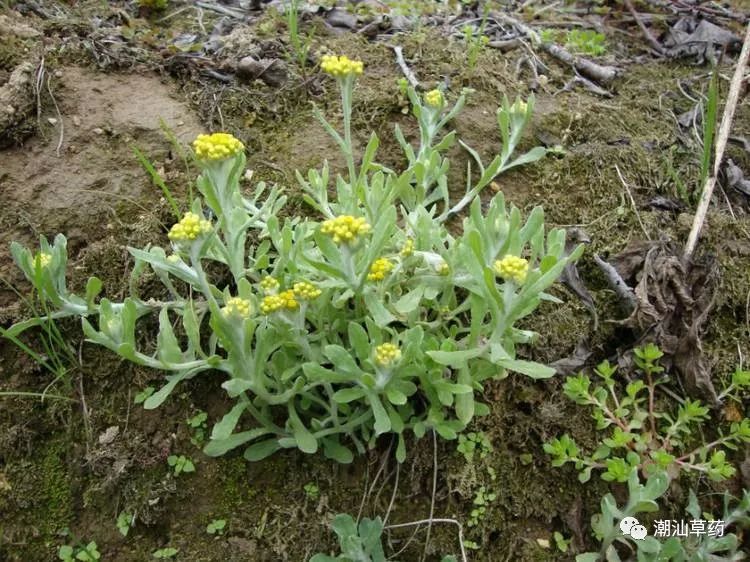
column 638, row 532
column 626, row 525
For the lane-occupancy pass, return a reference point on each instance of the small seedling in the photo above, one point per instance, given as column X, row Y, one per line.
column 163, row 553
column 482, row 499
column 473, row 442
column 124, row 522
column 198, row 424
column 216, row 527
column 311, row 491
column 300, row 44
column 561, row 542
column 180, row 464
column 88, row 553
column 476, row 40
column 587, row 41
column 143, row 395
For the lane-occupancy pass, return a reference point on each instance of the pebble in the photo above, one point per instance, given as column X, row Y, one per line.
column 98, row 131
column 109, row 435
column 271, row 71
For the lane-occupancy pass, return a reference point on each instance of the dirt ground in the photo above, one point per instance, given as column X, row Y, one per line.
column 113, row 81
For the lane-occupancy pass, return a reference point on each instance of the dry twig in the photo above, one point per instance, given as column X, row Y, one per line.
column 590, row 69
column 408, row 73
column 645, row 30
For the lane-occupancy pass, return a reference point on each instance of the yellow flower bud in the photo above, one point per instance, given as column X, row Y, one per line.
column 512, row 268
column 237, row 307
column 341, row 66
column 272, row 303
column 306, row 291
column 190, row 227
column 43, row 259
column 434, row 98
column 379, row 269
column 269, row 284
column 519, row 106
column 386, row 354
column 345, row 228
column 408, row 248
column 217, row 146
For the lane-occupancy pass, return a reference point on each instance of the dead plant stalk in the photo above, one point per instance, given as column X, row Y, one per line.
column 721, row 143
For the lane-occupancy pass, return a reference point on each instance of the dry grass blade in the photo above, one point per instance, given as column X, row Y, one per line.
column 721, row 143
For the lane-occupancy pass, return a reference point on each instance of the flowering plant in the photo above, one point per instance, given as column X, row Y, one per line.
column 328, row 333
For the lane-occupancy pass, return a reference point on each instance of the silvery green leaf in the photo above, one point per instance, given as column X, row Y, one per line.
column 455, row 358
column 359, row 340
column 167, row 347
column 235, row 386
column 158, row 397
column 382, row 421
column 224, row 428
column 261, row 450
column 336, row 451
column 218, row 447
column 93, row 288
column 528, row 368
column 378, row 311
column 410, row 301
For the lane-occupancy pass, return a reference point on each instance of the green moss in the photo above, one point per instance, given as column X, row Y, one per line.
column 56, row 481
column 234, row 484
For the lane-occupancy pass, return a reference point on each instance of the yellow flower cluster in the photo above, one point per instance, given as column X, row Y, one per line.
column 386, row 354
column 434, row 98
column 43, row 259
column 189, row 228
column 443, row 268
column 173, row 258
column 512, row 267
column 237, row 307
column 342, row 66
column 306, row 291
column 519, row 106
column 269, row 284
column 379, row 269
column 272, row 303
column 217, row 146
column 408, row 248
column 345, row 228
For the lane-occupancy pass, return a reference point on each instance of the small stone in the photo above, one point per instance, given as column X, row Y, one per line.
column 76, row 121
column 339, row 17
column 271, row 71
column 98, row 131
column 52, row 121
column 109, row 435
column 58, row 74
column 544, row 543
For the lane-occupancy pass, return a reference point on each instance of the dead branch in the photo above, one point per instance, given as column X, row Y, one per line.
column 408, row 73
column 618, row 285
column 645, row 30
column 588, row 68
